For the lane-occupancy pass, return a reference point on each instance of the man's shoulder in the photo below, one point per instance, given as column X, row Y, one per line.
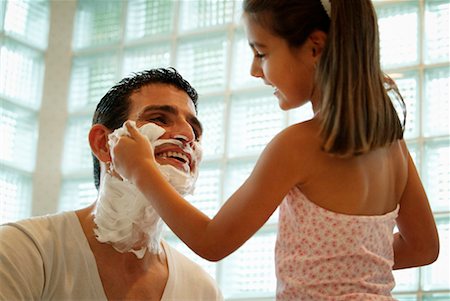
column 196, row 281
column 40, row 224
column 39, row 230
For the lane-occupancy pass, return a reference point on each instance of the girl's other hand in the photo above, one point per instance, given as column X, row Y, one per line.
column 131, row 153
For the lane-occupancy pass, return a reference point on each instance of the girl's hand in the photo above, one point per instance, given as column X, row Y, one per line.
column 130, row 154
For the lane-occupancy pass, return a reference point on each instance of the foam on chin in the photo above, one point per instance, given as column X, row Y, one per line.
column 124, row 217
column 183, row 182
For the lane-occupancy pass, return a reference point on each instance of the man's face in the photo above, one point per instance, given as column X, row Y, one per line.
column 172, row 109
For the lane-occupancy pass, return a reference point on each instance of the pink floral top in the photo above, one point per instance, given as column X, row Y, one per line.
column 324, row 255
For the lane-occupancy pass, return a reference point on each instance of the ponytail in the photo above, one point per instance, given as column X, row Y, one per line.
column 356, row 113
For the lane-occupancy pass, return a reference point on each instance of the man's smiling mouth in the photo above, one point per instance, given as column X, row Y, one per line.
column 179, row 159
column 175, row 155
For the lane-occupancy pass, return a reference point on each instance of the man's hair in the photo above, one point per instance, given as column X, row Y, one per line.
column 113, row 109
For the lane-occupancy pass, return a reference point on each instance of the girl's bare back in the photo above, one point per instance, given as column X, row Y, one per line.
column 368, row 184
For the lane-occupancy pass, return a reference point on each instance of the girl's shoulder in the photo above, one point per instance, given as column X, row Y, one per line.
column 303, row 136
column 308, row 127
column 298, row 144
column 291, row 153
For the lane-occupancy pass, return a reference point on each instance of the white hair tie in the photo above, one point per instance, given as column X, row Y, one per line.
column 326, row 6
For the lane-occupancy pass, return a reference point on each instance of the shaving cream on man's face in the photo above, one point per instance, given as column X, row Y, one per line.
column 182, row 180
column 123, row 216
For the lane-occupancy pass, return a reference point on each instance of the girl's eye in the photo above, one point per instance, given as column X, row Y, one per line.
column 259, row 55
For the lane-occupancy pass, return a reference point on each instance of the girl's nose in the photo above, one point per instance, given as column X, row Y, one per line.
column 255, row 69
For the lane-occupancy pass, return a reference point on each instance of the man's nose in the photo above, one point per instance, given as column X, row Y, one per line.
column 183, row 132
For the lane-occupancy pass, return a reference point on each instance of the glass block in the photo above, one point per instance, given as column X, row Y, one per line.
column 77, row 152
column 301, row 114
column 436, row 174
column 144, row 58
column 437, row 102
column 398, row 25
column 147, row 18
column 28, row 21
column 207, row 193
column 238, row 11
column 91, row 78
column 21, row 74
column 250, row 271
column 197, row 14
column 236, row 173
column 405, row 297
column 15, row 195
column 77, row 193
column 97, row 23
column 211, row 113
column 407, row 84
column 2, row 15
column 203, row 62
column 437, row 31
column 241, row 63
column 406, row 280
column 436, row 297
column 208, row 266
column 254, row 120
column 18, row 138
column 437, row 275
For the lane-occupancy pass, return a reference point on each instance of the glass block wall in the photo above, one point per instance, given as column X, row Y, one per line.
column 23, row 43
column 205, row 42
column 415, row 51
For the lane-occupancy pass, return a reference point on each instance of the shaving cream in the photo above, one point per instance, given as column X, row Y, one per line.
column 124, row 217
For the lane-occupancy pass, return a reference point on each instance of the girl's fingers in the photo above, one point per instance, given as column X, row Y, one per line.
column 134, row 133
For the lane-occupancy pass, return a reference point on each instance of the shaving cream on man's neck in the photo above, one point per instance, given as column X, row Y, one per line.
column 124, row 217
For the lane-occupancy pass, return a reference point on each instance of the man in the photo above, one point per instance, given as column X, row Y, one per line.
column 112, row 249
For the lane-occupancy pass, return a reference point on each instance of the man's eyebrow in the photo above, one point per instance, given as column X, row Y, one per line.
column 165, row 108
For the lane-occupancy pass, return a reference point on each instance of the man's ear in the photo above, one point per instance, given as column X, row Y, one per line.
column 98, row 140
column 318, row 39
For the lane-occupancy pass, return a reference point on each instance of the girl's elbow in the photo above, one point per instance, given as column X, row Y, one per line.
column 213, row 253
column 213, row 256
column 433, row 251
column 429, row 252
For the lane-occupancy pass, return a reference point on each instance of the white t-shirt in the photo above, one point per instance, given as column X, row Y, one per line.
column 49, row 258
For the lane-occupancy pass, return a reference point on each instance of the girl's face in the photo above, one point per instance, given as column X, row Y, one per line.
column 290, row 71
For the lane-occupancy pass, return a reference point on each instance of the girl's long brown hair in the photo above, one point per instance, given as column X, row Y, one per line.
column 356, row 114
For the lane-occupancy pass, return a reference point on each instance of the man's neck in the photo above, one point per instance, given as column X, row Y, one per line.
column 105, row 252
column 123, row 275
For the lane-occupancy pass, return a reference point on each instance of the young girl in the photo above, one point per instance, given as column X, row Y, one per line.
column 342, row 179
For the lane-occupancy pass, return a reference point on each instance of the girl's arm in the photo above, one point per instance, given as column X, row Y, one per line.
column 417, row 242
column 240, row 217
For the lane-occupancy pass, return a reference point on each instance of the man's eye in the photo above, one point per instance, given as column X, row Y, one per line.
column 259, row 55
column 158, row 119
